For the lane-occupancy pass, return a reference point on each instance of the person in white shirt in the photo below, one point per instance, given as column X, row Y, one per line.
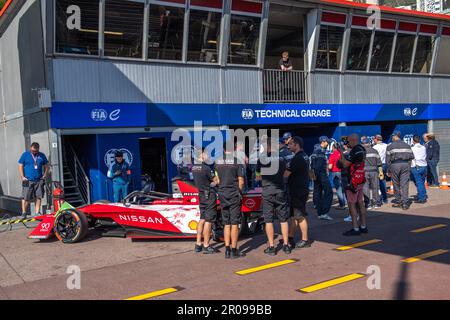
column 419, row 169
column 380, row 146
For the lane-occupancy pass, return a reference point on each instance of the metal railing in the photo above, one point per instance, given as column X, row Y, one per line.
column 284, row 86
column 82, row 182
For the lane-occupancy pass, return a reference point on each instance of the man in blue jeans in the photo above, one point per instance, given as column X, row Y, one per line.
column 323, row 194
column 120, row 173
column 433, row 154
column 335, row 175
column 419, row 169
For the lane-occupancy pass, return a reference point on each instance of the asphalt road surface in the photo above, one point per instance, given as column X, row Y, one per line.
column 392, row 262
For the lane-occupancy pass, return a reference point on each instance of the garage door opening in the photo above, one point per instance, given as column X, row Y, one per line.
column 154, row 161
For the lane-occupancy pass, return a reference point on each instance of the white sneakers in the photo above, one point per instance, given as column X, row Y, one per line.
column 325, row 217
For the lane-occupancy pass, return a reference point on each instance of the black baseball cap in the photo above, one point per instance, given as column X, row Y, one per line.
column 119, row 154
column 286, row 136
column 298, row 140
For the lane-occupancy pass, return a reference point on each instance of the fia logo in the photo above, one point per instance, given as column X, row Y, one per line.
column 247, row 114
column 408, row 112
column 408, row 139
column 99, row 114
column 184, row 153
column 110, row 156
column 102, row 115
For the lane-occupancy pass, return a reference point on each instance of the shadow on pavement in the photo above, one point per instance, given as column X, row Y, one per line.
column 402, row 284
column 394, row 229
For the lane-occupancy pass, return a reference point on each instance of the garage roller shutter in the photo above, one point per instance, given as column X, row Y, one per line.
column 442, row 132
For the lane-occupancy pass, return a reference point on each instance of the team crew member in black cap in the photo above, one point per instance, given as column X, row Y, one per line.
column 298, row 182
column 398, row 159
column 323, row 193
column 284, row 152
column 204, row 181
column 272, row 168
column 230, row 175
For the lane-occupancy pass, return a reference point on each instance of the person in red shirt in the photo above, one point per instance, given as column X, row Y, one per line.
column 335, row 176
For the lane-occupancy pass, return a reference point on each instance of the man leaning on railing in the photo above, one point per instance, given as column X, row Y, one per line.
column 285, row 63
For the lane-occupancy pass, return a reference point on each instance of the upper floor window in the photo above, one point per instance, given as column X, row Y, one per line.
column 244, row 32
column 359, row 45
column 383, row 41
column 424, row 49
column 381, row 51
column 404, row 47
column 204, row 30
column 124, row 21
column 358, row 51
column 329, row 49
column 77, row 26
column 166, row 30
column 443, row 54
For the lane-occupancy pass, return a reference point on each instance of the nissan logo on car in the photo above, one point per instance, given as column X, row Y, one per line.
column 250, row 203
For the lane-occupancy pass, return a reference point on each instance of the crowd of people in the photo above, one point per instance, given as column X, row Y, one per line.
column 357, row 169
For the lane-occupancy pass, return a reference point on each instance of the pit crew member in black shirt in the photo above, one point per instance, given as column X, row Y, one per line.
column 204, row 180
column 298, row 186
column 230, row 175
column 274, row 201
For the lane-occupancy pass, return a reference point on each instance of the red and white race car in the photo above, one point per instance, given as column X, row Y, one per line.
column 141, row 215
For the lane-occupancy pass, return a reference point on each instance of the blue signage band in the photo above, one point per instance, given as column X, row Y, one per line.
column 73, row 115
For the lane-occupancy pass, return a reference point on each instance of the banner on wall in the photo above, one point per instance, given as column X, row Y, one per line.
column 102, row 115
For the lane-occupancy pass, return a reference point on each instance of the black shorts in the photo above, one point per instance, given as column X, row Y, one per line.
column 32, row 190
column 275, row 204
column 208, row 207
column 231, row 209
column 298, row 205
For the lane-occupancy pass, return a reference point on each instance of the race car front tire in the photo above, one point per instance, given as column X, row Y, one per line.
column 71, row 226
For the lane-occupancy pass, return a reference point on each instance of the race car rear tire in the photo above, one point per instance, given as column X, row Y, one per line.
column 71, row 226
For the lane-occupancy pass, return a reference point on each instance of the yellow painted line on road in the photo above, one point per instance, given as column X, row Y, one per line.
column 357, row 245
column 332, row 282
column 424, row 256
column 436, row 226
column 155, row 294
column 266, row 266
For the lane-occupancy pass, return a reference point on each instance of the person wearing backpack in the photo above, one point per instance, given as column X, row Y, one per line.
column 353, row 179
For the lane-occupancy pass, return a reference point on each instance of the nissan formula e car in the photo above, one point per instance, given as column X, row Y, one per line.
column 142, row 215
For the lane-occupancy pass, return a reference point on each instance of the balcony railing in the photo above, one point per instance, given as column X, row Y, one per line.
column 284, row 86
